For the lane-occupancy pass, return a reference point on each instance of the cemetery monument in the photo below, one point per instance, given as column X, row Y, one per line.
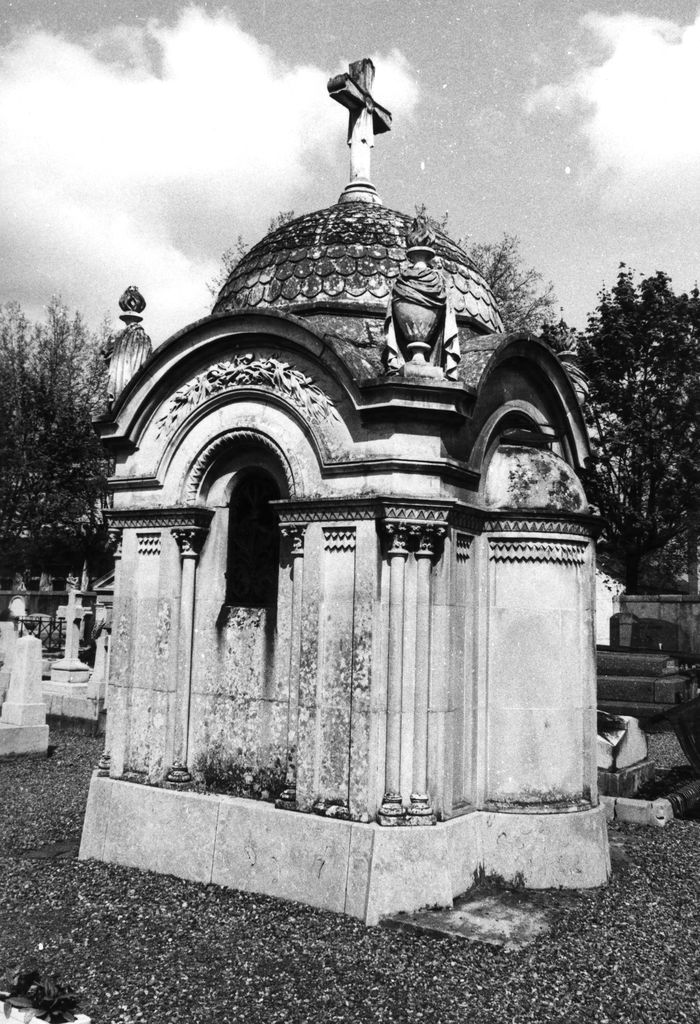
column 349, row 534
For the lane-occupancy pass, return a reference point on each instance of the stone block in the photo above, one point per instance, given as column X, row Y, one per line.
column 662, row 812
column 608, row 802
column 363, row 870
column 23, row 739
column 410, row 869
column 69, row 671
column 23, row 714
column 634, row 812
column 96, row 820
column 262, row 849
column 161, row 830
column 625, row 782
column 668, row 687
column 620, row 748
column 548, row 851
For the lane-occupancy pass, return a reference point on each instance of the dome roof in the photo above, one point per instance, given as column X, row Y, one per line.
column 347, row 256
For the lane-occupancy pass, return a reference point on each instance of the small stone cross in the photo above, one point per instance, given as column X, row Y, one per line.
column 74, row 612
column 366, row 119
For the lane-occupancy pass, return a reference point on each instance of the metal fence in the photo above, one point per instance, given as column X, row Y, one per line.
column 51, row 631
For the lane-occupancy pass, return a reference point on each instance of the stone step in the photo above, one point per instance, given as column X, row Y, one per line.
column 637, row 663
column 645, row 689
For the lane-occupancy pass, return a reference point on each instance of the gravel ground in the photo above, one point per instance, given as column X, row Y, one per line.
column 143, row 947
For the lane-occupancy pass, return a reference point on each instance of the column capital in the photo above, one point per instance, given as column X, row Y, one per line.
column 114, row 541
column 396, row 537
column 189, row 539
column 294, row 535
column 428, row 537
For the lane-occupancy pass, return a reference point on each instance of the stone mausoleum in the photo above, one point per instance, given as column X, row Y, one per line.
column 348, row 527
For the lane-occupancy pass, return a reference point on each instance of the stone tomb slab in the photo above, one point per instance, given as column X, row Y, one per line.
column 508, row 918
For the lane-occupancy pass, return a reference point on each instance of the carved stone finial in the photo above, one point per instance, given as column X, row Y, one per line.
column 132, row 304
column 421, row 330
column 420, row 240
column 127, row 351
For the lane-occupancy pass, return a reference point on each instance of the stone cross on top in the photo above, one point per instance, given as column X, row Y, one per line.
column 366, row 119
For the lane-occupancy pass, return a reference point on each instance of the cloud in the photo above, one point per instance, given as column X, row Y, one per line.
column 637, row 105
column 138, row 155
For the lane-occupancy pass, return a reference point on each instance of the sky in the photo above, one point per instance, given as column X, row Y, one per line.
column 140, row 138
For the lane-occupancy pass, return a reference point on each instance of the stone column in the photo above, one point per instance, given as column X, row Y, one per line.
column 190, row 540
column 114, row 543
column 294, row 535
column 392, row 812
column 420, row 811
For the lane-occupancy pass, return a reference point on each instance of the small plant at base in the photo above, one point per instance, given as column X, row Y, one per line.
column 40, row 998
column 261, row 775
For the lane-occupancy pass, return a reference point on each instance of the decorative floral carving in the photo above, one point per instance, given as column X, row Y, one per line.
column 189, row 539
column 396, row 537
column 114, row 541
column 247, row 371
column 295, row 535
column 429, row 537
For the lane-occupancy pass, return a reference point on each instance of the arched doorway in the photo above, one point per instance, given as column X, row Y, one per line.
column 253, row 541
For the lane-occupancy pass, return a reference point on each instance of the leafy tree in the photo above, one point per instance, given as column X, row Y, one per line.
column 524, row 302
column 641, row 354
column 231, row 257
column 52, row 465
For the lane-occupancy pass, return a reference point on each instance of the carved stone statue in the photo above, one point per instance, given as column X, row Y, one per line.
column 421, row 330
column 128, row 350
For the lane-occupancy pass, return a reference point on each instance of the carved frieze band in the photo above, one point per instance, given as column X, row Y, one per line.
column 578, row 528
column 158, row 518
column 148, row 543
column 339, row 538
column 249, row 371
column 294, row 535
column 463, row 545
column 417, row 513
column 564, row 552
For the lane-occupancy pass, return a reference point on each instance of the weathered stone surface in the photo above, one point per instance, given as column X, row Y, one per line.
column 349, row 254
column 23, row 726
column 625, row 782
column 156, row 829
column 634, row 812
column 623, row 747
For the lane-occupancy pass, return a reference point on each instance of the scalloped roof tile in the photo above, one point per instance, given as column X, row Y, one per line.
column 350, row 254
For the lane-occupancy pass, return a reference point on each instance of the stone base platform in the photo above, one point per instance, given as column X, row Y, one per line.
column 24, row 739
column 365, row 871
column 626, row 781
